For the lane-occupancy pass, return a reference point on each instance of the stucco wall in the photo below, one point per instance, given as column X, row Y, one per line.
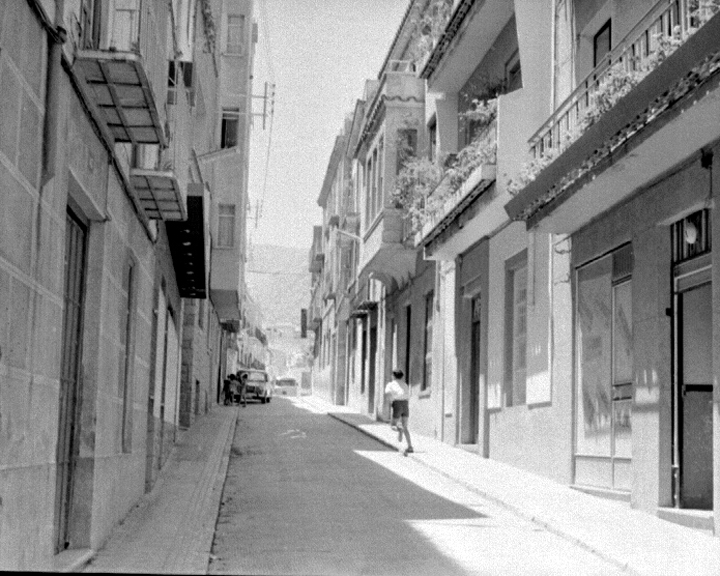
column 535, row 435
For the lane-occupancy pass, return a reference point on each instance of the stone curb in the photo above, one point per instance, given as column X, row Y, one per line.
column 194, row 559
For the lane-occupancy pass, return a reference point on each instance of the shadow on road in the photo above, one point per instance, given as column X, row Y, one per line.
column 303, row 496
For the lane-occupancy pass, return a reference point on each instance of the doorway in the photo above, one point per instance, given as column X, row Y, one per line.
column 693, row 390
column 372, row 367
column 474, row 392
column 70, row 381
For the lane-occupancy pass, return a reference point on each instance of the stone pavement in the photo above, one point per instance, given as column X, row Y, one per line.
column 171, row 529
column 635, row 541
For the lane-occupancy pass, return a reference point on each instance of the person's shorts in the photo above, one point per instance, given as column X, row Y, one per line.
column 400, row 408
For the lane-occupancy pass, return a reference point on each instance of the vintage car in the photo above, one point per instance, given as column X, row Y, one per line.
column 258, row 384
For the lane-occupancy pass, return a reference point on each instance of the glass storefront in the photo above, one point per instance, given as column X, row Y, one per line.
column 604, row 353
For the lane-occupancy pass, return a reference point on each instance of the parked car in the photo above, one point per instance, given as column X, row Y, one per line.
column 287, row 386
column 258, row 385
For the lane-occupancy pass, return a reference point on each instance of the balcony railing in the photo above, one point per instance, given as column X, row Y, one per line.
column 662, row 29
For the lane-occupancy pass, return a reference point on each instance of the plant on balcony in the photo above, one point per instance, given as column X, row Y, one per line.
column 617, row 81
column 481, row 114
column 427, row 29
column 208, row 26
column 414, row 185
column 481, row 150
column 614, row 85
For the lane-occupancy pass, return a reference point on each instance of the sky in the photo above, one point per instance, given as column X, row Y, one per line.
column 319, row 54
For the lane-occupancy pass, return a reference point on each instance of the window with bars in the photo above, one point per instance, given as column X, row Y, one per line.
column 226, row 226
column 691, row 236
column 235, row 33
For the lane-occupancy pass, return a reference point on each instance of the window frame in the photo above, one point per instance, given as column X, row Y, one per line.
column 513, row 72
column 224, row 218
column 607, row 26
column 432, row 139
column 230, row 117
column 235, row 49
column 129, row 357
column 426, row 384
column 515, row 394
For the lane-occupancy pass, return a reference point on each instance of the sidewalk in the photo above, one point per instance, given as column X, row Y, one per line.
column 635, row 541
column 172, row 527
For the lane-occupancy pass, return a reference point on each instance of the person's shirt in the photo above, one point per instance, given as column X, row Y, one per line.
column 397, row 390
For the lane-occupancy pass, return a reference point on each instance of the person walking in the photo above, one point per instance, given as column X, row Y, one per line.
column 397, row 396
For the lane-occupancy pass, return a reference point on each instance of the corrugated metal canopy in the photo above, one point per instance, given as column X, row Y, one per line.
column 121, row 92
column 159, row 193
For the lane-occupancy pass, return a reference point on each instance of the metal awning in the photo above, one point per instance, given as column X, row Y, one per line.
column 159, row 194
column 121, row 92
column 188, row 246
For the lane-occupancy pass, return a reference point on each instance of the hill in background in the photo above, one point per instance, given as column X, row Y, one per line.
column 279, row 281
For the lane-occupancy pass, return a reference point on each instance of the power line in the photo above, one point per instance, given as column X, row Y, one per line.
column 271, row 74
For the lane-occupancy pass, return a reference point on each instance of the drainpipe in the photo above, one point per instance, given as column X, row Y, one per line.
column 57, row 36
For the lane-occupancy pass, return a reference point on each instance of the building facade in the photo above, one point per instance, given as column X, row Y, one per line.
column 551, row 297
column 109, row 344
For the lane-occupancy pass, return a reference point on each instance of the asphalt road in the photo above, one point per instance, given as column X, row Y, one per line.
column 306, row 494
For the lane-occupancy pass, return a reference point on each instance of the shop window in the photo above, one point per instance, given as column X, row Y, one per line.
column 516, row 329
column 230, row 127
column 602, row 43
column 226, row 226
column 604, row 352
column 235, row 34
column 428, row 343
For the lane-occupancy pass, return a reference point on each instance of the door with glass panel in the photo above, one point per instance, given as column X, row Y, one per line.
column 474, row 396
column 693, row 377
column 694, row 391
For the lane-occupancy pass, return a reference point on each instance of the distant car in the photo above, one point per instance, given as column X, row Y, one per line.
column 258, row 384
column 287, row 386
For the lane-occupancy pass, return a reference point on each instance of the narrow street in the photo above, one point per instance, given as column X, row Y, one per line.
column 306, row 494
